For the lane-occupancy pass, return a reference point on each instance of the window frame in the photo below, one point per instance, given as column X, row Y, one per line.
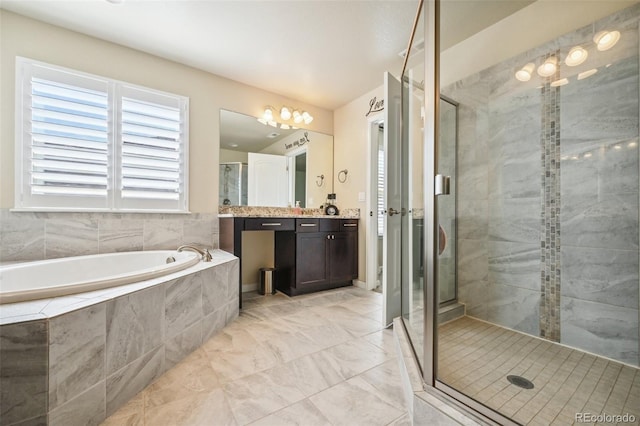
column 24, row 200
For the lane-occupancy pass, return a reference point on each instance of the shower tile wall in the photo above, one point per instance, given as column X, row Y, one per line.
column 500, row 176
column 38, row 236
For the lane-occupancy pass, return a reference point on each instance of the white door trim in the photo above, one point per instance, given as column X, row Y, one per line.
column 372, row 206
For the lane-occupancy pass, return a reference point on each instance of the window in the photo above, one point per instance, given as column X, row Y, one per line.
column 84, row 142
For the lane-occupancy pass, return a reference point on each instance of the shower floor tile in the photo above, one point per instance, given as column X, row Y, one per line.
column 476, row 357
column 322, row 359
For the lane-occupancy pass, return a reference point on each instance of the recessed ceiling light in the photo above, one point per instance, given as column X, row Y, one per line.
column 548, row 68
column 576, row 56
column 273, row 135
column 605, row 40
column 233, row 145
column 524, row 74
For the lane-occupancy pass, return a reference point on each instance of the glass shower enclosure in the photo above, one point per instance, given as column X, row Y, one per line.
column 536, row 128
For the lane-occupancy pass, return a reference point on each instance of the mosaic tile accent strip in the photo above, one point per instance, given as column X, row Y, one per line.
column 550, row 212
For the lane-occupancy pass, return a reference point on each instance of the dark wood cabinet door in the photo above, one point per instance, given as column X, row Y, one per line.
column 343, row 256
column 312, row 265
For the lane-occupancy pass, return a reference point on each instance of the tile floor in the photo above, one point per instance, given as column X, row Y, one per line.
column 319, row 359
column 475, row 358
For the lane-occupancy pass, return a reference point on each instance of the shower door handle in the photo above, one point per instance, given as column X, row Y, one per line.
column 442, row 185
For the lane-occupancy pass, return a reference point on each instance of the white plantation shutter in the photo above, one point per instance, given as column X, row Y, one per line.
column 153, row 150
column 380, row 187
column 90, row 143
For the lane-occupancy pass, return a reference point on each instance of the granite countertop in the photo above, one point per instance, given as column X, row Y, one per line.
column 247, row 211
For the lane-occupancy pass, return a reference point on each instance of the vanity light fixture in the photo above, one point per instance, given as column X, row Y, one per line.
column 306, row 117
column 605, row 40
column 285, row 113
column 524, row 74
column 268, row 114
column 549, row 67
column 576, row 56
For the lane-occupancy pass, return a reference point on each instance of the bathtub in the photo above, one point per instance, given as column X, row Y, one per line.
column 76, row 359
column 71, row 275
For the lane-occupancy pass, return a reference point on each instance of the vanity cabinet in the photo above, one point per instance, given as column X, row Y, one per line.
column 321, row 254
column 311, row 254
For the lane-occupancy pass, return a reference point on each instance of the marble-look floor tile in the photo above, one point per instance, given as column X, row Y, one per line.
column 383, row 339
column 355, row 402
column 127, row 382
column 131, row 414
column 191, row 377
column 352, row 358
column 232, row 365
column 386, row 379
column 261, row 394
column 309, row 376
column 206, row 409
column 302, row 413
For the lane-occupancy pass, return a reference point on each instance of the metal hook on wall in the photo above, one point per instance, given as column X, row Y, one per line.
column 320, row 180
column 344, row 179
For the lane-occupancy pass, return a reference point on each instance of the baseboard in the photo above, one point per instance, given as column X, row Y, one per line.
column 249, row 287
column 361, row 284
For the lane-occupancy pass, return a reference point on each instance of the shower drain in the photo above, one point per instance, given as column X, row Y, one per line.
column 520, row 382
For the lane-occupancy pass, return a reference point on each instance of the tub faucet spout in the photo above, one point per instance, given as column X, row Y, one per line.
column 206, row 256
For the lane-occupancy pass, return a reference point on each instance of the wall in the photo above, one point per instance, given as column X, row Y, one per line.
column 208, row 93
column 319, row 162
column 350, row 149
column 230, row 156
column 548, row 195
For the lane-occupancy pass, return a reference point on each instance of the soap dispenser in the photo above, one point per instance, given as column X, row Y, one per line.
column 297, row 209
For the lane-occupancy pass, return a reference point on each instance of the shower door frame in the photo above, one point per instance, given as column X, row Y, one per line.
column 431, row 17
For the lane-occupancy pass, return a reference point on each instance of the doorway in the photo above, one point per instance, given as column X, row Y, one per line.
column 376, row 205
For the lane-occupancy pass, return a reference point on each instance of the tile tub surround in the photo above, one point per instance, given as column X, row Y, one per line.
column 86, row 355
column 548, row 196
column 316, row 359
column 27, row 236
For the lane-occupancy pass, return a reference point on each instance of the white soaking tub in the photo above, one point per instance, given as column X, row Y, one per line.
column 71, row 275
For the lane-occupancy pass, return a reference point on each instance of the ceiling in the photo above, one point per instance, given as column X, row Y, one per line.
column 325, row 53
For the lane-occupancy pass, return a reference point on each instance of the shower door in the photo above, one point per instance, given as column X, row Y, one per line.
column 546, row 211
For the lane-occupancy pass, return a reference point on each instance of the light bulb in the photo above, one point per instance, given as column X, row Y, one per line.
column 576, row 56
column 605, row 40
column 268, row 114
column 548, row 68
column 306, row 117
column 285, row 113
column 524, row 74
column 297, row 117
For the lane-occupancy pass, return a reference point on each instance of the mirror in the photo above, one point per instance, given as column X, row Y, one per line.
column 261, row 165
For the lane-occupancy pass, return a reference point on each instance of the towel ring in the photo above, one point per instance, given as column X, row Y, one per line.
column 342, row 180
column 320, row 180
